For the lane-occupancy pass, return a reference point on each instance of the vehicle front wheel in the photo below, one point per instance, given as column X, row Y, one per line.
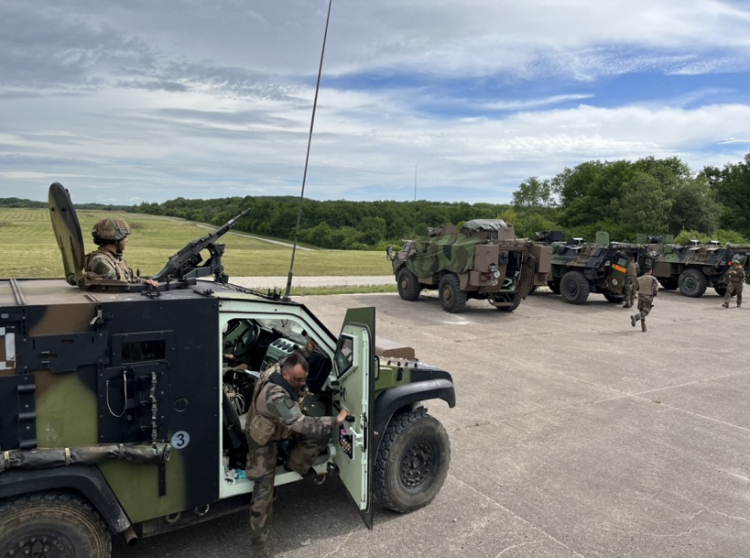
column 412, row 461
column 574, row 287
column 693, row 283
column 408, row 285
column 451, row 296
column 52, row 525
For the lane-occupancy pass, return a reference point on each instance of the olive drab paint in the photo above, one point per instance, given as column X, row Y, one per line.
column 483, row 260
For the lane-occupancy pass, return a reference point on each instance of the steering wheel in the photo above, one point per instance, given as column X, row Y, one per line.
column 246, row 340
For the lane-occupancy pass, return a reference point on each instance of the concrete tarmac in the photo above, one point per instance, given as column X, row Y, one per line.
column 574, row 435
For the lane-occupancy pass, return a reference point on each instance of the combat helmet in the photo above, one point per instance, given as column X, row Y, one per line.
column 109, row 230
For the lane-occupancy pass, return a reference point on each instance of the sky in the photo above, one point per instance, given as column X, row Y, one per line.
column 443, row 100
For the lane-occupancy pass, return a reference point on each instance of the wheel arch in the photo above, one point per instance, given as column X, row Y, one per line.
column 404, row 397
column 86, row 481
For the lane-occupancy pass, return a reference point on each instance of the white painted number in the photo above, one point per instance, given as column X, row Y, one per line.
column 180, row 439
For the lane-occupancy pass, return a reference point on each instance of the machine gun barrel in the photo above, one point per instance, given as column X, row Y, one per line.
column 184, row 264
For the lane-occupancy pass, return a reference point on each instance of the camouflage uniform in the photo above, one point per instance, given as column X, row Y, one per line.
column 105, row 264
column 734, row 279
column 647, row 287
column 630, row 278
column 276, row 415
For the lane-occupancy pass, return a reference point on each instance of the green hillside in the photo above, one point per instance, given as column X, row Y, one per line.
column 28, row 248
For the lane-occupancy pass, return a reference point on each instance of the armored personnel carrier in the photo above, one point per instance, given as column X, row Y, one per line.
column 693, row 267
column 481, row 260
column 122, row 405
column 580, row 268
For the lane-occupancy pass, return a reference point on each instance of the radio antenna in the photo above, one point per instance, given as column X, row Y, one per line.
column 307, row 158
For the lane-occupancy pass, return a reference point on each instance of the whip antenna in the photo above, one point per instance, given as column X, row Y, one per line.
column 307, row 158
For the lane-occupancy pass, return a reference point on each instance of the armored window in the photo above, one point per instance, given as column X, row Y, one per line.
column 142, row 351
column 622, row 262
column 344, row 354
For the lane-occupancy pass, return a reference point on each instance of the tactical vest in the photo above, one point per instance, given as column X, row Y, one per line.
column 122, row 269
column 736, row 276
column 262, row 426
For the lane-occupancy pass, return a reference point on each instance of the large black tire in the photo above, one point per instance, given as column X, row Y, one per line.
column 612, row 297
column 412, row 461
column 669, row 283
column 554, row 286
column 451, row 296
column 516, row 304
column 574, row 287
column 721, row 290
column 693, row 283
column 53, row 525
column 408, row 285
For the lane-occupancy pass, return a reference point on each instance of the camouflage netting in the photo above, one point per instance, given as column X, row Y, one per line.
column 453, row 252
column 46, row 458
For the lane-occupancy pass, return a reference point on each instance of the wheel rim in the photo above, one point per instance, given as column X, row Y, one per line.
column 417, row 466
column 689, row 283
column 571, row 289
column 404, row 283
column 40, row 545
column 448, row 295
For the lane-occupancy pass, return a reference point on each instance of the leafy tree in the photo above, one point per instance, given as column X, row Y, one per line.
column 645, row 203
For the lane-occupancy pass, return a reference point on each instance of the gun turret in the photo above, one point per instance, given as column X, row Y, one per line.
column 185, row 264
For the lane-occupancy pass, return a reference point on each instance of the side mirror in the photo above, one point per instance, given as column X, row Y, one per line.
column 389, row 253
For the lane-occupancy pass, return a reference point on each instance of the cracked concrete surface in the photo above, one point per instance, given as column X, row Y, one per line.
column 574, row 435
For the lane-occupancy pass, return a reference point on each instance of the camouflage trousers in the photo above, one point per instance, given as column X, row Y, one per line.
column 733, row 289
column 629, row 290
column 261, row 467
column 645, row 303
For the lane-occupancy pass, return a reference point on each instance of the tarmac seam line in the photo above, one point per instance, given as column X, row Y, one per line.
column 514, row 514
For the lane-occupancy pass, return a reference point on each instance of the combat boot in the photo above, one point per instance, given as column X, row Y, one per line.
column 634, row 318
column 643, row 325
column 725, row 305
column 258, row 550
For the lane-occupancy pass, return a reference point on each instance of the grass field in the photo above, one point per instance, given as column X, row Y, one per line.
column 29, row 249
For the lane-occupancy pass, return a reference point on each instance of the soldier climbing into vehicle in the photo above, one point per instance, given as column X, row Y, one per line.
column 111, row 235
column 275, row 415
column 734, row 279
column 647, row 287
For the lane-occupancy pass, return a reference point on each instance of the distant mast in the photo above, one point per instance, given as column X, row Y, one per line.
column 307, row 158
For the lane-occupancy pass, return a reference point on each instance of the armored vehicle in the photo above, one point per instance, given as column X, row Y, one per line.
column 580, row 268
column 122, row 405
column 482, row 260
column 693, row 267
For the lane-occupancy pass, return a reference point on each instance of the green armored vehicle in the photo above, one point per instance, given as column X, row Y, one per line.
column 120, row 412
column 693, row 267
column 580, row 268
column 483, row 260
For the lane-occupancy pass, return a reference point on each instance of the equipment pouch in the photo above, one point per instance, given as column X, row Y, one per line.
column 261, row 429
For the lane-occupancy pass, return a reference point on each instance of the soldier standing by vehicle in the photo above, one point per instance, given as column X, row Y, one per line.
column 630, row 278
column 275, row 415
column 734, row 279
column 111, row 235
column 647, row 287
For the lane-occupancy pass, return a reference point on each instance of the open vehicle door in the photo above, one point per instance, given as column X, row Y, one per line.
column 355, row 369
column 618, row 271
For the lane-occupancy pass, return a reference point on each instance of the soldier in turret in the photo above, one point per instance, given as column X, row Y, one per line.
column 647, row 287
column 276, row 415
column 111, row 235
column 734, row 279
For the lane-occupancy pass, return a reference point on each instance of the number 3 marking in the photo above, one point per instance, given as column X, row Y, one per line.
column 180, row 439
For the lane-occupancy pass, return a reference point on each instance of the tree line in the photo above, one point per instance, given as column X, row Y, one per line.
column 626, row 198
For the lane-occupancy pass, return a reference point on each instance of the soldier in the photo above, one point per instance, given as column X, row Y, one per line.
column 647, row 287
column 634, row 270
column 275, row 415
column 734, row 279
column 111, row 235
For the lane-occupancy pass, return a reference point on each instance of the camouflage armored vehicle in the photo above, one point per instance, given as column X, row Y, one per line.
column 119, row 412
column 693, row 267
column 580, row 268
column 483, row 260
